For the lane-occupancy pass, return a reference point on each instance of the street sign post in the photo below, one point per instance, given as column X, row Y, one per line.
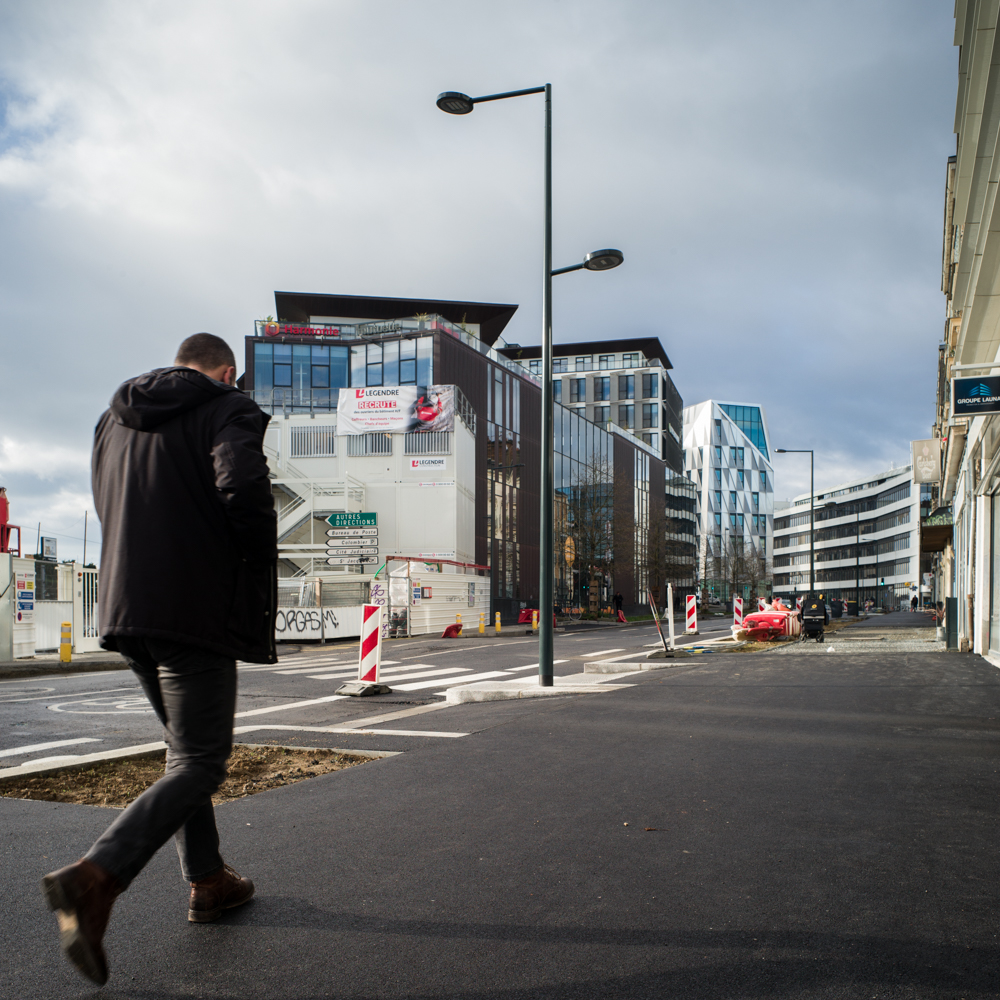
column 343, row 519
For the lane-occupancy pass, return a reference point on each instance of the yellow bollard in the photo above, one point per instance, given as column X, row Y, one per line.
column 497, row 623
column 458, row 621
column 66, row 642
column 482, row 623
column 534, row 621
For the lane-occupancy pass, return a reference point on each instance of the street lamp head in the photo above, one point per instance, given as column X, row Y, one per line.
column 455, row 103
column 603, row 260
column 781, row 451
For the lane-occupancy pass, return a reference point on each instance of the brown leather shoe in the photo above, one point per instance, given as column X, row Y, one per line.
column 221, row 891
column 82, row 895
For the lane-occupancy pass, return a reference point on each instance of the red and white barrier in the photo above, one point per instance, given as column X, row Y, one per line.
column 761, row 604
column 370, row 655
column 737, row 610
column 798, row 603
column 691, row 615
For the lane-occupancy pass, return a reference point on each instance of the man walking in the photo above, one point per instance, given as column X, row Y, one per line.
column 187, row 587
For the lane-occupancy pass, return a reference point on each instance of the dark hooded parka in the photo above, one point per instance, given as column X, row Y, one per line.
column 189, row 530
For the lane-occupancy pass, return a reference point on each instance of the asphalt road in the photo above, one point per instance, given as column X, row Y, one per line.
column 45, row 718
column 744, row 826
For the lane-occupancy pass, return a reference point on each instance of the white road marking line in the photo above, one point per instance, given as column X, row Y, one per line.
column 460, row 680
column 294, row 704
column 405, row 713
column 531, row 666
column 66, row 694
column 391, row 679
column 602, row 652
column 346, row 729
column 470, row 646
column 35, row 747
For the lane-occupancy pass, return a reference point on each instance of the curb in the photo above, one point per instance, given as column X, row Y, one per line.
column 11, row 670
column 144, row 750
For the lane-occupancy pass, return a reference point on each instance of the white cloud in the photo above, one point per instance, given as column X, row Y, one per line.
column 773, row 173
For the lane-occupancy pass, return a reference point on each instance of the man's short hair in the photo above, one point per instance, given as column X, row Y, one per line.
column 206, row 351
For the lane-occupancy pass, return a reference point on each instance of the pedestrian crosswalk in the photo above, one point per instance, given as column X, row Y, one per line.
column 339, row 667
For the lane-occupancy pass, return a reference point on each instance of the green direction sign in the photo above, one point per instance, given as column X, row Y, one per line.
column 344, row 520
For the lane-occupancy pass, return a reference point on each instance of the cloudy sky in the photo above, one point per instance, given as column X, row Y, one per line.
column 773, row 172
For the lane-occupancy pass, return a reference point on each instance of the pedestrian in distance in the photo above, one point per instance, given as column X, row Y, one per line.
column 913, row 603
column 619, row 601
column 188, row 585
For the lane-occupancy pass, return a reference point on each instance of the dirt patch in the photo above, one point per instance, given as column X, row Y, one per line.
column 117, row 782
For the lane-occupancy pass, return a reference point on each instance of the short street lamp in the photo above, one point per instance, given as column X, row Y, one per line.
column 455, row 103
column 812, row 512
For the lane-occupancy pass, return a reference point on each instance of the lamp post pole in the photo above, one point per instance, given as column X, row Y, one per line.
column 455, row 103
column 812, row 510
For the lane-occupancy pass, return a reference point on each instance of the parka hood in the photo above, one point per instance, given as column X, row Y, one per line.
column 145, row 402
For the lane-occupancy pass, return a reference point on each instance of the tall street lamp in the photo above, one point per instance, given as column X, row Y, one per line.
column 455, row 103
column 812, row 512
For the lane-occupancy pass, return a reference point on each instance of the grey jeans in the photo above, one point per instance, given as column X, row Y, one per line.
column 193, row 693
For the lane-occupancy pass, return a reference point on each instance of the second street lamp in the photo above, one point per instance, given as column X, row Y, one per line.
column 455, row 103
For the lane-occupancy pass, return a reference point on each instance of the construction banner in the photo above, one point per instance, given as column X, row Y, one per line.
column 396, row 409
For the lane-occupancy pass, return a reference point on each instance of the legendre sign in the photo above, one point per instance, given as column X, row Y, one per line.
column 396, row 409
column 972, row 396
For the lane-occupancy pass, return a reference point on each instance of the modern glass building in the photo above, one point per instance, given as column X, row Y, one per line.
column 621, row 382
column 727, row 456
column 607, row 479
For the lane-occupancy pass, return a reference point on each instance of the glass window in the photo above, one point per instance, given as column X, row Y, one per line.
column 763, row 480
column 374, row 364
column 718, row 498
column 626, row 417
column 732, row 520
column 739, row 521
column 763, row 544
column 718, row 475
column 578, row 390
column 390, row 363
column 602, row 388
column 739, row 456
column 359, row 356
column 718, row 543
column 584, row 364
column 606, row 361
column 739, row 477
column 425, row 367
column 560, row 364
column 718, row 430
column 321, row 376
column 718, row 519
column 650, row 384
column 407, row 362
column 301, row 376
column 602, row 414
column 756, row 522
column 755, row 497
column 283, row 374
column 630, row 361
column 338, row 367
column 557, row 390
column 732, row 456
column 732, row 497
column 650, row 414
column 535, row 366
column 263, row 366
column 626, row 387
column 718, row 453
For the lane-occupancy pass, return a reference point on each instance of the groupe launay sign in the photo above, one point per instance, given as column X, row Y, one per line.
column 972, row 396
column 301, row 330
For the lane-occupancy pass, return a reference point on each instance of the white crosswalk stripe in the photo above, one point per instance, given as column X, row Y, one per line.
column 335, row 667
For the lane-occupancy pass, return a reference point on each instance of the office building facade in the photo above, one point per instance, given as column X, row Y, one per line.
column 866, row 541
column 319, row 344
column 625, row 384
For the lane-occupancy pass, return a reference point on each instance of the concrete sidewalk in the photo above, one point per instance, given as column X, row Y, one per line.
column 753, row 826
